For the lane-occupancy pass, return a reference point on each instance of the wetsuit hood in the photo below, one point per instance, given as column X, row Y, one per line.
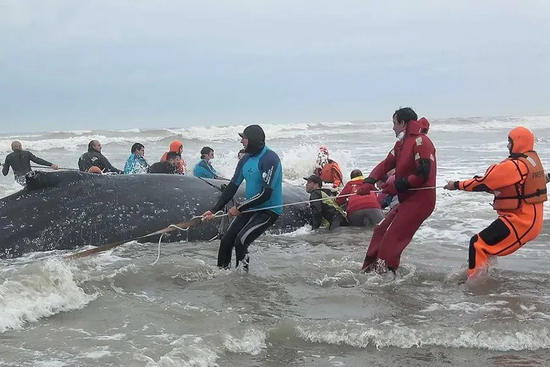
column 522, row 140
column 256, row 139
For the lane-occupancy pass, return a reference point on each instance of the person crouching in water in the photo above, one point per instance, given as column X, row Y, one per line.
column 327, row 169
column 177, row 147
column 413, row 157
column 519, row 188
column 324, row 211
column 169, row 166
column 361, row 210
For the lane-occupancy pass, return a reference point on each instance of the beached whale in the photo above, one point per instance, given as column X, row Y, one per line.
column 66, row 210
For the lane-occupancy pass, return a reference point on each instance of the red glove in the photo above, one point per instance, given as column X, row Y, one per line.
column 389, row 188
column 365, row 189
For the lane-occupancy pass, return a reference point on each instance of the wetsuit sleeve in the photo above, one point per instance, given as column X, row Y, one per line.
column 269, row 164
column 424, row 160
column 337, row 176
column 316, row 209
column 383, row 167
column 108, row 166
column 341, row 199
column 231, row 189
column 202, row 170
column 6, row 167
column 504, row 174
column 37, row 160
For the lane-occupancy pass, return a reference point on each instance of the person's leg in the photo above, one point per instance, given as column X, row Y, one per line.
column 256, row 225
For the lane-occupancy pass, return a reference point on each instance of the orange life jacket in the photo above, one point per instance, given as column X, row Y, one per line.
column 531, row 189
column 331, row 173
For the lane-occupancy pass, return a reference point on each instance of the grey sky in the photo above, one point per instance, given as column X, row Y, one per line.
column 123, row 64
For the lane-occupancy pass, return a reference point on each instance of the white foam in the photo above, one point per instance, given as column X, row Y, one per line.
column 43, row 290
column 190, row 351
column 391, row 335
column 252, row 342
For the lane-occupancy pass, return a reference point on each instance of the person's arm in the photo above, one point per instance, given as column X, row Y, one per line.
column 383, row 167
column 269, row 164
column 231, row 188
column 316, row 209
column 6, row 167
column 341, row 198
column 108, row 166
column 337, row 176
column 37, row 160
column 506, row 173
column 424, row 159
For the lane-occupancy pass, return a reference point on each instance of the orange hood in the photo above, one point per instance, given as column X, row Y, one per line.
column 522, row 139
column 175, row 146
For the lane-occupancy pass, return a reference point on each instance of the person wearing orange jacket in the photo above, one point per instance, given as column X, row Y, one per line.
column 360, row 210
column 518, row 184
column 176, row 146
column 413, row 157
column 327, row 169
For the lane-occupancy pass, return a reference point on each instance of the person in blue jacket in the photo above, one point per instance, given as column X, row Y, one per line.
column 136, row 162
column 261, row 169
column 204, row 168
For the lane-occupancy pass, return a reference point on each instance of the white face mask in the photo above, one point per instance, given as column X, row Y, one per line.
column 401, row 135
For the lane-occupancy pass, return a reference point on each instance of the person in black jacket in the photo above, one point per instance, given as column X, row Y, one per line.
column 93, row 157
column 20, row 162
column 324, row 210
column 170, row 165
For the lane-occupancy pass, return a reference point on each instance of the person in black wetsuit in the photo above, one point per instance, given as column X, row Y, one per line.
column 93, row 157
column 323, row 212
column 170, row 165
column 20, row 162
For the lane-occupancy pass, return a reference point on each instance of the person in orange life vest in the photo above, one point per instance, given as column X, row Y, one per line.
column 518, row 184
column 361, row 210
column 327, row 169
column 413, row 157
column 177, row 147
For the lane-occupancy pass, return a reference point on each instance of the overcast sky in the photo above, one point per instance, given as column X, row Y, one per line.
column 71, row 65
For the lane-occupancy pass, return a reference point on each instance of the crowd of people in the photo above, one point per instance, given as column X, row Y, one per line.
column 404, row 183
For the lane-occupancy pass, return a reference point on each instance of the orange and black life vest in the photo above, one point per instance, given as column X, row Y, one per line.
column 531, row 189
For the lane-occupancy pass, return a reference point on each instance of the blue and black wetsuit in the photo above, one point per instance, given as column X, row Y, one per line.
column 262, row 171
column 204, row 169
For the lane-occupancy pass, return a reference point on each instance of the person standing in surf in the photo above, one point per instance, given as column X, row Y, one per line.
column 413, row 157
column 20, row 162
column 519, row 187
column 261, row 169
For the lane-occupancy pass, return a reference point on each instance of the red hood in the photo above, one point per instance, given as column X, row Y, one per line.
column 418, row 127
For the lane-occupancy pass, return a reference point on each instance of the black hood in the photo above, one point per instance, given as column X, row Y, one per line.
column 256, row 139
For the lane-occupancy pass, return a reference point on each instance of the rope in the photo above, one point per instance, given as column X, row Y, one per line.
column 220, row 213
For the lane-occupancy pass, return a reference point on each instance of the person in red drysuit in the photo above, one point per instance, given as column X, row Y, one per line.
column 413, row 157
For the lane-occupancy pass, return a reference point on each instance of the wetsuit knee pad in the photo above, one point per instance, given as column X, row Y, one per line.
column 495, row 233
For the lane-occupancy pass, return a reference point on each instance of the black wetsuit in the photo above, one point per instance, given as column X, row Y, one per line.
column 94, row 158
column 20, row 163
column 163, row 167
column 320, row 210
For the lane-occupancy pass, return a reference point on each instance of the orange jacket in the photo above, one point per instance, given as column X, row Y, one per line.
column 516, row 182
column 330, row 173
column 175, row 146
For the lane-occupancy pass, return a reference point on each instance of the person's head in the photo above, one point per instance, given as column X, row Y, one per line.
column 138, row 149
column 95, row 169
column 355, row 173
column 322, row 157
column 207, row 153
column 313, row 182
column 16, row 145
column 241, row 154
column 176, row 146
column 173, row 158
column 520, row 140
column 94, row 145
column 401, row 119
column 253, row 139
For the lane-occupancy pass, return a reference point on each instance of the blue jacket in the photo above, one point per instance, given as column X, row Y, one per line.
column 135, row 164
column 204, row 169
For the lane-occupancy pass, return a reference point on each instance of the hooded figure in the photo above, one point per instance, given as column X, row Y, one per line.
column 176, row 146
column 262, row 171
column 519, row 187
